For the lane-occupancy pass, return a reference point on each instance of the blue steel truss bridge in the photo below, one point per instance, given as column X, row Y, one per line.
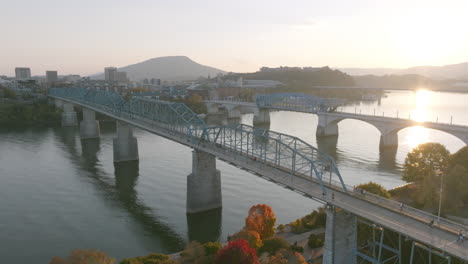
column 277, row 157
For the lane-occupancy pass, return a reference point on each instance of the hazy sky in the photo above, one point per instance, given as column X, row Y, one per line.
column 83, row 36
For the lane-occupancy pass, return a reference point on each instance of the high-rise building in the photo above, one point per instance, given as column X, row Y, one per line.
column 155, row 81
column 122, row 77
column 110, row 74
column 51, row 76
column 22, row 73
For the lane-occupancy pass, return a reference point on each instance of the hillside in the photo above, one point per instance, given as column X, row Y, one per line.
column 452, row 71
column 302, row 79
column 171, row 68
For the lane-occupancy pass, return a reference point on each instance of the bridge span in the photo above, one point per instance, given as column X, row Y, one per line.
column 329, row 117
column 277, row 157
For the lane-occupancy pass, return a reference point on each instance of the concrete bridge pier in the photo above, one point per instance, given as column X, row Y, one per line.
column 388, row 141
column 69, row 115
column 125, row 144
column 340, row 237
column 327, row 126
column 234, row 113
column 58, row 103
column 212, row 108
column 261, row 117
column 89, row 126
column 203, row 184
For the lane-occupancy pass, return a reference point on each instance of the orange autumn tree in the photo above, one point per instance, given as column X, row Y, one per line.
column 252, row 237
column 262, row 220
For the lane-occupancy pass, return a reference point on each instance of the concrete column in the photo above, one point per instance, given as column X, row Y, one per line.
column 234, row 113
column 261, row 117
column 89, row 127
column 326, row 126
column 69, row 115
column 212, row 108
column 388, row 140
column 58, row 103
column 203, row 184
column 125, row 144
column 340, row 237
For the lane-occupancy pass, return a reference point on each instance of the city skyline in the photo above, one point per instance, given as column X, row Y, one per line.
column 240, row 37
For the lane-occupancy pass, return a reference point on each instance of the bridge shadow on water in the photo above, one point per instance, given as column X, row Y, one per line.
column 121, row 190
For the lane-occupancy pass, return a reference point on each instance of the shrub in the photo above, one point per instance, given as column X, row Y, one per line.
column 374, row 188
column 309, row 222
column 154, row 258
column 296, row 248
column 284, row 256
column 252, row 237
column 80, row 256
column 315, row 241
column 273, row 244
column 193, row 252
column 211, row 248
column 281, row 227
column 236, row 252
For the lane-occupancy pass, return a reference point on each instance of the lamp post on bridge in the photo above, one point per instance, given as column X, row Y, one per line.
column 441, row 174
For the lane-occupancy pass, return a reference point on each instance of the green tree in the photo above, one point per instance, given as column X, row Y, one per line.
column 374, row 188
column 9, row 93
column 426, row 160
column 455, row 192
column 315, row 241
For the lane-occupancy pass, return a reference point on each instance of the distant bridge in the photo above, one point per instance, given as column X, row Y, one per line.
column 328, row 116
column 283, row 159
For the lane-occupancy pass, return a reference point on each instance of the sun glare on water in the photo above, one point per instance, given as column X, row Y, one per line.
column 418, row 134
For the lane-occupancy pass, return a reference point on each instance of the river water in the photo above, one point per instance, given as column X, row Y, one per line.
column 58, row 193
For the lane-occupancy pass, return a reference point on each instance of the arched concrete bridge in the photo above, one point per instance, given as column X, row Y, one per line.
column 328, row 120
column 280, row 158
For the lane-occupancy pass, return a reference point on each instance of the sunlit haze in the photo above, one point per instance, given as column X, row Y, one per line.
column 84, row 36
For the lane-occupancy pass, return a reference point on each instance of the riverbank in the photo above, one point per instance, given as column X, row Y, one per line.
column 28, row 113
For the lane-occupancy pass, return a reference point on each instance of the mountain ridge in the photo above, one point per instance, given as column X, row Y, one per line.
column 167, row 68
column 450, row 71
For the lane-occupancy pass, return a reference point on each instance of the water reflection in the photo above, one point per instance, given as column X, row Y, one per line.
column 205, row 226
column 121, row 191
column 89, row 150
column 328, row 145
column 387, row 159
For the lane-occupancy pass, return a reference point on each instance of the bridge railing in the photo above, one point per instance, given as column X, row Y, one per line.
column 396, row 116
column 393, row 205
column 297, row 102
column 278, row 150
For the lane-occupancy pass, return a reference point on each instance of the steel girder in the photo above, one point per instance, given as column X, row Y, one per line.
column 278, row 150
